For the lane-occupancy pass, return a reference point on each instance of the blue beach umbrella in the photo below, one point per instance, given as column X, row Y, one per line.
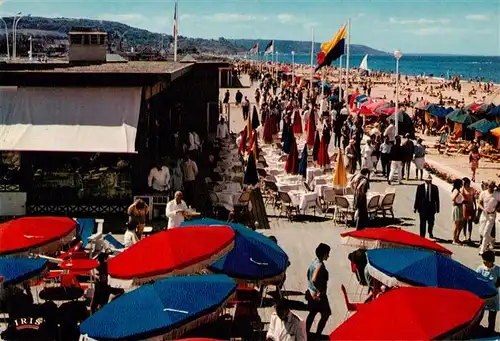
column 160, row 308
column 483, row 125
column 361, row 99
column 17, row 270
column 495, row 111
column 254, row 256
column 303, row 162
column 400, row 266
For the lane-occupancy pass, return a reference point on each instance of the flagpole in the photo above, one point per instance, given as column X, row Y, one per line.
column 176, row 23
column 340, row 79
column 347, row 60
column 312, row 56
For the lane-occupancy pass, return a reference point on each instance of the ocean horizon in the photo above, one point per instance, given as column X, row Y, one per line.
column 484, row 68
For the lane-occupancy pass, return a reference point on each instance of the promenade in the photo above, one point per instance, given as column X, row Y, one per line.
column 299, row 239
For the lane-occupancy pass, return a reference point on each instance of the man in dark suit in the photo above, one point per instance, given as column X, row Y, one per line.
column 427, row 205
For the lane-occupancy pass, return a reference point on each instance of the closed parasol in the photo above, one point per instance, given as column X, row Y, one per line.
column 292, row 162
column 340, row 174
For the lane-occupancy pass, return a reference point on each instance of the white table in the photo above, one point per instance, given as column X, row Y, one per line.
column 228, row 199
column 303, row 199
column 287, row 187
column 320, row 189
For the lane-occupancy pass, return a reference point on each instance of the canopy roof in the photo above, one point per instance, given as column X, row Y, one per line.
column 69, row 119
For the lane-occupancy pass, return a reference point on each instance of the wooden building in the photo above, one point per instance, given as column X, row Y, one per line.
column 80, row 140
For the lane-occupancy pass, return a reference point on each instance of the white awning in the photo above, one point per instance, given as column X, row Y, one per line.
column 69, row 119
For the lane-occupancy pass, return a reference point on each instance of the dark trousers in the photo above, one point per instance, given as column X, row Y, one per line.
column 361, row 207
column 386, row 164
column 426, row 223
column 338, row 137
column 188, row 192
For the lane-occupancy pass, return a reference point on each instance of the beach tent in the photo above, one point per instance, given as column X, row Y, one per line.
column 440, row 112
column 484, row 108
column 461, row 117
column 496, row 132
column 405, row 125
column 495, row 111
column 483, row 126
column 411, row 267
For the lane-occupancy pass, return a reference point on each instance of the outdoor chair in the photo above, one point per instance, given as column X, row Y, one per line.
column 328, row 202
column 307, row 187
column 214, row 202
column 242, row 205
column 262, row 173
column 270, row 193
column 287, row 205
column 372, row 206
column 386, row 204
column 271, row 178
column 351, row 307
column 343, row 210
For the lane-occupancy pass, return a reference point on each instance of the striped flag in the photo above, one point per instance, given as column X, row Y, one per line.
column 175, row 20
column 269, row 48
column 254, row 49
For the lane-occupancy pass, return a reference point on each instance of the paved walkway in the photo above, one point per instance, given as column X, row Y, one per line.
column 299, row 239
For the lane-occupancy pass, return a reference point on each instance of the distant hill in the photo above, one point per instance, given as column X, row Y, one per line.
column 48, row 31
column 51, row 34
column 300, row 47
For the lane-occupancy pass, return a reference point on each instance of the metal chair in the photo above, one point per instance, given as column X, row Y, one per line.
column 287, row 205
column 372, row 206
column 386, row 204
column 343, row 210
column 328, row 201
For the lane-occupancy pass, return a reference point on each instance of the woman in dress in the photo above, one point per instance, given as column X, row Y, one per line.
column 491, row 272
column 366, row 155
column 457, row 211
column 352, row 157
column 317, row 299
column 469, row 208
column 474, row 158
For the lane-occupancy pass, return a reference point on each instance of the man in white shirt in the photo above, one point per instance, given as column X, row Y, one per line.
column 488, row 202
column 176, row 210
column 285, row 325
column 222, row 129
column 159, row 178
column 390, row 132
column 194, row 141
column 344, row 111
column 130, row 237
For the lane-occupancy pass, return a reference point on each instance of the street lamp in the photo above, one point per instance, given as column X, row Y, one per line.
column 6, row 37
column 14, row 33
column 293, row 67
column 397, row 54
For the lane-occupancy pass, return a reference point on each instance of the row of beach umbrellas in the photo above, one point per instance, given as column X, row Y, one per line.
column 434, row 296
column 175, row 302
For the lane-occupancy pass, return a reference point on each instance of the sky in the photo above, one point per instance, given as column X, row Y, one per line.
column 470, row 27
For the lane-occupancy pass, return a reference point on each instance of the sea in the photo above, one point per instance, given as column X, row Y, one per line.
column 484, row 68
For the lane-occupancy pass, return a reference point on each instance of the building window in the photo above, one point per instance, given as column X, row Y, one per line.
column 94, row 39
column 76, row 39
column 86, row 39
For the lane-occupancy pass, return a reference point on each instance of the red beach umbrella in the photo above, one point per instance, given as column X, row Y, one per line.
column 297, row 123
column 292, row 162
column 311, row 128
column 353, row 98
column 177, row 251
column 35, row 234
column 267, row 135
column 323, row 157
column 413, row 314
column 377, row 238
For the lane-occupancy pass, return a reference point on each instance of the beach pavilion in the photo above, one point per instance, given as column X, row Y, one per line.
column 79, row 138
